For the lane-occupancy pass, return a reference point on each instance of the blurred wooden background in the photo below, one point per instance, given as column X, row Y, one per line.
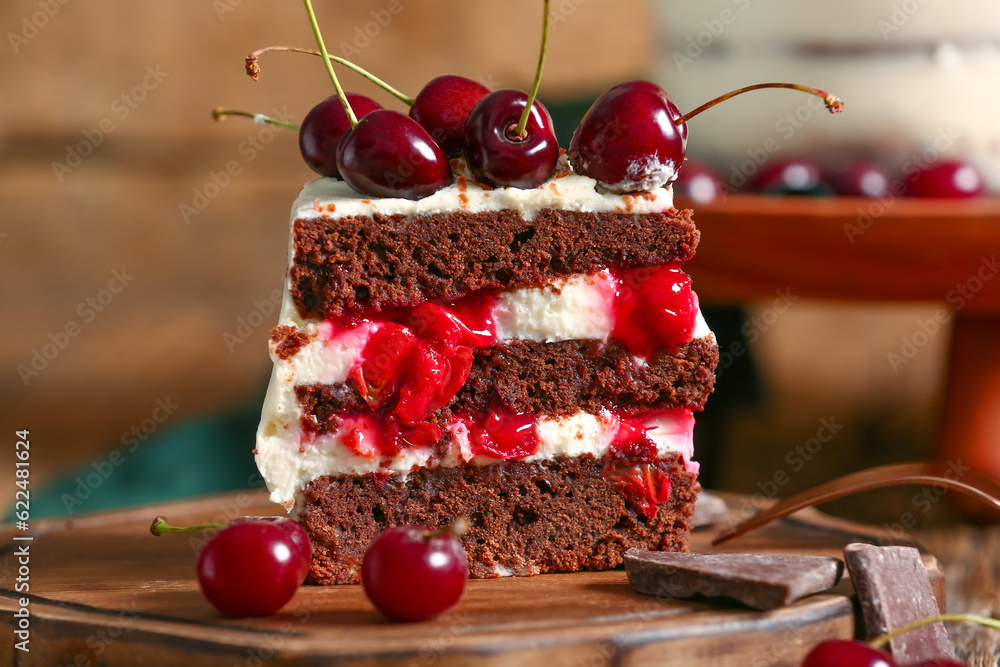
column 107, row 135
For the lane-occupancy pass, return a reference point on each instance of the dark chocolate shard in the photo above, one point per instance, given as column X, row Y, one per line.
column 894, row 589
column 760, row 581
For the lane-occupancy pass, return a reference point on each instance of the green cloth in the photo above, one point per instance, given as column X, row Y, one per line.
column 211, row 454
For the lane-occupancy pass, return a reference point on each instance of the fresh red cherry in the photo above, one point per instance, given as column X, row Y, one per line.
column 442, row 107
column 411, row 573
column 294, row 530
column 628, row 141
column 388, row 154
column 948, row 179
column 499, row 158
column 672, row 109
column 795, row 176
column 846, row 653
column 323, row 128
column 633, row 138
column 250, row 568
column 698, row 181
column 861, row 178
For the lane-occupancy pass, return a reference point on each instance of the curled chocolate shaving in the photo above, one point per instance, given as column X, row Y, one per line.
column 954, row 477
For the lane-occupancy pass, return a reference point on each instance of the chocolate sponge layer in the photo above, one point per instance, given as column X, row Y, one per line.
column 525, row 518
column 358, row 264
column 554, row 379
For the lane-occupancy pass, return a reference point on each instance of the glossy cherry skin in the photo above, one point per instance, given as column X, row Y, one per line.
column 442, row 107
column 861, row 178
column 672, row 109
column 250, row 568
column 794, row 176
column 410, row 576
column 499, row 159
column 948, row 179
column 294, row 530
column 698, row 181
column 628, row 140
column 323, row 128
column 390, row 155
column 846, row 653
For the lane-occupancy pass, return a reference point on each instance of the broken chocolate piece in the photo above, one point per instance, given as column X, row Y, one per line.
column 894, row 590
column 760, row 581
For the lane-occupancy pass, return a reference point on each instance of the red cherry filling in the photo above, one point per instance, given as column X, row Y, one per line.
column 641, row 484
column 654, row 308
column 442, row 107
column 432, row 378
column 632, row 444
column 505, row 435
column 386, row 351
column 388, row 154
column 323, row 128
column 417, row 359
column 462, row 323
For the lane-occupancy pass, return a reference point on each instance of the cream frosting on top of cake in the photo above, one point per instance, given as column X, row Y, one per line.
column 564, row 191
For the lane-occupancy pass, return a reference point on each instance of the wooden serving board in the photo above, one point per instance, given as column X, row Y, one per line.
column 105, row 591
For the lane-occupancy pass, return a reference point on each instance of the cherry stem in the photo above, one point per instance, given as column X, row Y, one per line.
column 522, row 125
column 879, row 642
column 218, row 113
column 329, row 65
column 253, row 69
column 161, row 527
column 832, row 102
column 457, row 528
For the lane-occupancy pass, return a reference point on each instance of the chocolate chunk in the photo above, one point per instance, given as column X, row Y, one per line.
column 760, row 581
column 894, row 590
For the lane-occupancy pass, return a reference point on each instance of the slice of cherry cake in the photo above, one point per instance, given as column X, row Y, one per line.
column 526, row 359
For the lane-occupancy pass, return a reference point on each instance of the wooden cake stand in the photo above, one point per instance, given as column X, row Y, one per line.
column 852, row 249
column 104, row 591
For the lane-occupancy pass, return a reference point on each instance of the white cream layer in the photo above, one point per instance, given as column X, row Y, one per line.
column 289, row 466
column 569, row 192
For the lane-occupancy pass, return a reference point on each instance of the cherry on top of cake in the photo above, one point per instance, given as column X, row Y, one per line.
column 632, row 139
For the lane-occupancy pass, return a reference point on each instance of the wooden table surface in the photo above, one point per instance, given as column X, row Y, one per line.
column 104, row 591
